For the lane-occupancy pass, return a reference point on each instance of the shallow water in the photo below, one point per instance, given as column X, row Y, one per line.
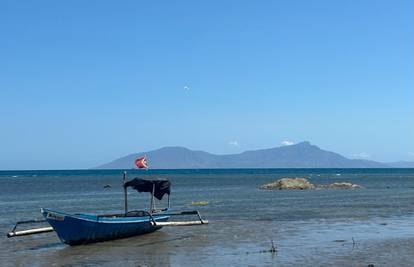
column 316, row 227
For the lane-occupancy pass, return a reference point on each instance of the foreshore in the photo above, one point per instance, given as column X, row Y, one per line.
column 236, row 243
column 332, row 227
column 389, row 252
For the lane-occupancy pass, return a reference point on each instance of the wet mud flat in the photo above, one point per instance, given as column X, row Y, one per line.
column 382, row 242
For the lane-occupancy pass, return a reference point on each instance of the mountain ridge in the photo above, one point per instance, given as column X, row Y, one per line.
column 300, row 155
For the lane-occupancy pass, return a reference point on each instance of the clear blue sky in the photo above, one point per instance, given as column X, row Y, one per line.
column 84, row 82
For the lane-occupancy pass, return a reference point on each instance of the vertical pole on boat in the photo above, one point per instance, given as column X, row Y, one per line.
column 125, row 195
column 152, row 198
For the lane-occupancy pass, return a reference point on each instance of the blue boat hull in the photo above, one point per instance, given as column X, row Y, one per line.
column 81, row 229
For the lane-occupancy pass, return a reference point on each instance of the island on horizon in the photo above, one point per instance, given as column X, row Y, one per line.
column 300, row 155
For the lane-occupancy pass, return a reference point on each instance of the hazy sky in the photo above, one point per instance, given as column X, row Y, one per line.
column 84, row 82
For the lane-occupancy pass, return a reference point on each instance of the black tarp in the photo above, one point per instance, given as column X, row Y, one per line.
column 162, row 186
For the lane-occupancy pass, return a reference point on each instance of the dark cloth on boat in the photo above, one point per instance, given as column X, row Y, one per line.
column 161, row 188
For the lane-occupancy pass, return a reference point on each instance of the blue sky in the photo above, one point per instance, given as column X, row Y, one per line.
column 84, row 82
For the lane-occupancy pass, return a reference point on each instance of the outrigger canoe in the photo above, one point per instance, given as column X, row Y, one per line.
column 87, row 228
column 77, row 229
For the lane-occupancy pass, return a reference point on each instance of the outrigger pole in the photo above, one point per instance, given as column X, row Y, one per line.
column 14, row 233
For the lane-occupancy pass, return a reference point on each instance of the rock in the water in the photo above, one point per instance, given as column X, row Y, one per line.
column 303, row 183
column 289, row 183
column 343, row 185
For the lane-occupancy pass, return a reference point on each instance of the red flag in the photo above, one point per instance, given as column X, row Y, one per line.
column 141, row 163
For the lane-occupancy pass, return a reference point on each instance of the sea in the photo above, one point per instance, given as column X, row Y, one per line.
column 326, row 227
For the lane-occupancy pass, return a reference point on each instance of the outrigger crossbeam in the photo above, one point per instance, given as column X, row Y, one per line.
column 182, row 223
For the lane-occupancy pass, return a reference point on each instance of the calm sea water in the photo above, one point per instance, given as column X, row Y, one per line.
column 243, row 218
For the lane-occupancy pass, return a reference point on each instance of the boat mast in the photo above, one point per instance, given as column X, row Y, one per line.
column 125, row 195
column 152, row 198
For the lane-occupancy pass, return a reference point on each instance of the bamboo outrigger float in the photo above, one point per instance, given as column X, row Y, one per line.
column 76, row 229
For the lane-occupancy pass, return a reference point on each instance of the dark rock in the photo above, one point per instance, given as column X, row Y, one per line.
column 303, row 183
column 289, row 183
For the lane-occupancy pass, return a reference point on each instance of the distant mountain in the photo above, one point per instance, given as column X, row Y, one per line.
column 401, row 164
column 301, row 155
column 166, row 158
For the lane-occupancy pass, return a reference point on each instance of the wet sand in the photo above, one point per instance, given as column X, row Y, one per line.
column 390, row 252
column 234, row 243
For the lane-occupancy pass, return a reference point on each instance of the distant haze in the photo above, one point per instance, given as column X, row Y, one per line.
column 301, row 155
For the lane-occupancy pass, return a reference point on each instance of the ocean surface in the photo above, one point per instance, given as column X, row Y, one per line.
column 308, row 227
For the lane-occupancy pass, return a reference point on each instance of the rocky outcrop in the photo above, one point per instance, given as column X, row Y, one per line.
column 289, row 183
column 342, row 185
column 303, row 184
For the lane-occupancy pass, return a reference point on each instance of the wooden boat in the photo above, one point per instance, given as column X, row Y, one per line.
column 87, row 228
column 76, row 229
